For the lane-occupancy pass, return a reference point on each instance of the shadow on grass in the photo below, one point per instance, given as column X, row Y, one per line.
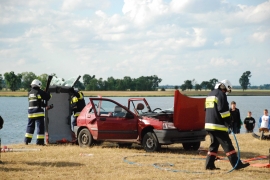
column 54, row 164
column 3, row 169
column 181, row 151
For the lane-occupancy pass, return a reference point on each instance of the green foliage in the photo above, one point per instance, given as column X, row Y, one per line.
column 13, row 81
column 198, row 87
column 27, row 78
column 244, row 80
column 43, row 78
column 212, row 83
column 204, row 85
column 79, row 85
column 183, row 87
column 188, row 84
column 1, row 82
column 86, row 80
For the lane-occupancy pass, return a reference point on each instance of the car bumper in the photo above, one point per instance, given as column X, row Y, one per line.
column 170, row 136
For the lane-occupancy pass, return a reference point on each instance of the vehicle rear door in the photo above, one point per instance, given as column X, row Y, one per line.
column 114, row 121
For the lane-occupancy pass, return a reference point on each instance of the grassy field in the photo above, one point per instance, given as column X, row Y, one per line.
column 108, row 161
column 147, row 93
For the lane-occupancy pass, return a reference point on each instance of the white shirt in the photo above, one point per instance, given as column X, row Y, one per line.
column 265, row 121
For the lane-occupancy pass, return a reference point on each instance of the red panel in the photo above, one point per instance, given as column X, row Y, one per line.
column 189, row 113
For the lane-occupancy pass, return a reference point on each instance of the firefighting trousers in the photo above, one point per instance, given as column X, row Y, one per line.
column 74, row 122
column 31, row 128
column 219, row 138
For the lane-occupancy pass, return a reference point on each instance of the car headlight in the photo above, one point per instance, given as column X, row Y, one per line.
column 168, row 125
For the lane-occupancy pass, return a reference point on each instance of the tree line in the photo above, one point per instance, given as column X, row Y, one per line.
column 23, row 80
column 244, row 82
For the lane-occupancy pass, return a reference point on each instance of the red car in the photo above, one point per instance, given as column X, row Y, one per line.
column 103, row 119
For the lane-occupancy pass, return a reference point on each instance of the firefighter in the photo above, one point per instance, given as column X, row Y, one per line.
column 36, row 98
column 217, row 122
column 77, row 105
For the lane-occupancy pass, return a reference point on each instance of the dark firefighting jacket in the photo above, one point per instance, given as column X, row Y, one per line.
column 217, row 111
column 36, row 98
column 77, row 103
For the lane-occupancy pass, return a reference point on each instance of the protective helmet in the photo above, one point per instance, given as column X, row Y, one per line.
column 36, row 83
column 224, row 84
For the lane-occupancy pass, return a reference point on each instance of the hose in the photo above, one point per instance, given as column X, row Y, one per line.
column 238, row 152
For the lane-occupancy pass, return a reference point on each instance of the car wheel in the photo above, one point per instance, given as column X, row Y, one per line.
column 150, row 142
column 85, row 138
column 191, row 146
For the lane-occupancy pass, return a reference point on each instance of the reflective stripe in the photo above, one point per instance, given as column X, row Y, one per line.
column 38, row 96
column 225, row 114
column 230, row 153
column 40, row 136
column 33, row 107
column 77, row 114
column 210, row 101
column 74, row 100
column 34, row 115
column 81, row 96
column 211, row 153
column 28, row 135
column 215, row 127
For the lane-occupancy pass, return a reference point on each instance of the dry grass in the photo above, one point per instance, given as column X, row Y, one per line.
column 106, row 162
column 148, row 93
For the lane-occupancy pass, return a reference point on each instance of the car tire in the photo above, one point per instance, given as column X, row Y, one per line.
column 85, row 139
column 150, row 142
column 194, row 146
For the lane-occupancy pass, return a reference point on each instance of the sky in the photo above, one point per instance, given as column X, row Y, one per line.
column 176, row 40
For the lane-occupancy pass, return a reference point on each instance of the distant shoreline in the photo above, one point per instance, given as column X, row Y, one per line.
column 167, row 93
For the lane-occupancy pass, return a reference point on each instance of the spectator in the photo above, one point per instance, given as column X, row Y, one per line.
column 235, row 118
column 264, row 123
column 249, row 123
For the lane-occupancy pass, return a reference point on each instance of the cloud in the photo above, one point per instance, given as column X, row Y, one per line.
column 143, row 11
column 169, row 38
column 261, row 36
column 221, row 62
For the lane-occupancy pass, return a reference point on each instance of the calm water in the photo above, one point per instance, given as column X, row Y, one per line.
column 14, row 112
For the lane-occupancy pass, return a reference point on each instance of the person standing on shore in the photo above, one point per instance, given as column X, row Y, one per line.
column 249, row 123
column 217, row 121
column 264, row 123
column 235, row 118
column 36, row 98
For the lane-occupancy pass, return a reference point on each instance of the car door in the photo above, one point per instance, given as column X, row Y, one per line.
column 114, row 121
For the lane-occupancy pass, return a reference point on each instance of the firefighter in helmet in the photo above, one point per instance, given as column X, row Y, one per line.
column 36, row 98
column 217, row 122
column 77, row 105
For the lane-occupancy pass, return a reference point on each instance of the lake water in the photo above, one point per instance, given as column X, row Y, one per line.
column 14, row 112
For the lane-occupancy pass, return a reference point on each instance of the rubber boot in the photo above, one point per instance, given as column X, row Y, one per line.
column 233, row 160
column 210, row 163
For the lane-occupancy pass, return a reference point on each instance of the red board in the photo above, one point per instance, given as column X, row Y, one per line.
column 189, row 113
